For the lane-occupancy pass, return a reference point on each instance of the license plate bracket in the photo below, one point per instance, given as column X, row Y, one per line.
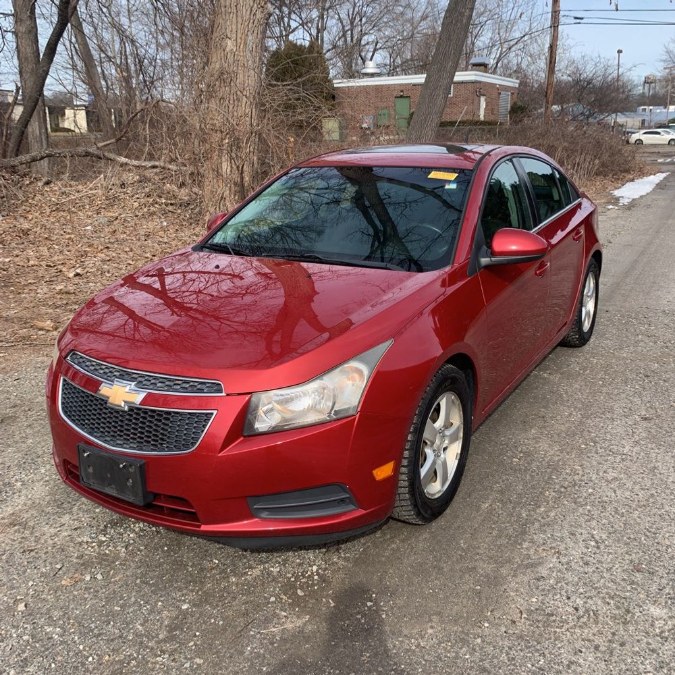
column 114, row 475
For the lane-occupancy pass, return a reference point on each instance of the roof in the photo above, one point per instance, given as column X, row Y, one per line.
column 431, row 156
column 460, row 76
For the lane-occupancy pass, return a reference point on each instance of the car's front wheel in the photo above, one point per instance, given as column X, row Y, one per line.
column 639, row 141
column 671, row 141
column 587, row 308
column 436, row 449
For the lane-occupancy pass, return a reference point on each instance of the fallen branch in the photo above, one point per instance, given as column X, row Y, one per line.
column 127, row 125
column 95, row 152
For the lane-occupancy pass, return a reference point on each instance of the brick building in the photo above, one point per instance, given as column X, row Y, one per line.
column 383, row 105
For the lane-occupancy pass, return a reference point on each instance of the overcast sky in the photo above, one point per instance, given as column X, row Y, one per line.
column 642, row 45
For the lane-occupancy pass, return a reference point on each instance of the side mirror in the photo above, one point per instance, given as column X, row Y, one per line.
column 511, row 246
column 215, row 219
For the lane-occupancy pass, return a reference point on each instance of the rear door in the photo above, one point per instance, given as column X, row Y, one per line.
column 516, row 296
column 652, row 137
column 560, row 221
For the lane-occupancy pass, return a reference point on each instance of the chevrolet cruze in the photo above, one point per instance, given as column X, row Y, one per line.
column 318, row 362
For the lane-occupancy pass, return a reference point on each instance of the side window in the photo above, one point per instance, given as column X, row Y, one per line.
column 568, row 192
column 547, row 194
column 505, row 203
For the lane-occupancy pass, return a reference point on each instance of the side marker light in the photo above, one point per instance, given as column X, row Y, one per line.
column 384, row 471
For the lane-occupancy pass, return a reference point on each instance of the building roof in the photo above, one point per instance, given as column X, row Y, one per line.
column 460, row 76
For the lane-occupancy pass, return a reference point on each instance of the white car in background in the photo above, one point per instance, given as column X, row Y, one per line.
column 653, row 137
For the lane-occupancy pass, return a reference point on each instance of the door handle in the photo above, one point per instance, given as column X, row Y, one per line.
column 578, row 234
column 541, row 270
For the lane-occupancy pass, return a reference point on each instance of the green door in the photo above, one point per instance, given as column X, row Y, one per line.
column 402, row 110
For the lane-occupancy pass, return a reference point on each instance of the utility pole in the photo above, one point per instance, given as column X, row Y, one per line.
column 649, row 81
column 618, row 85
column 552, row 55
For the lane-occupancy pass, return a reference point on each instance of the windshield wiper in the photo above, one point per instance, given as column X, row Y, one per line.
column 315, row 257
column 222, row 247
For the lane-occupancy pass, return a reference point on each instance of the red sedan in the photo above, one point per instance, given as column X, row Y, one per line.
column 318, row 362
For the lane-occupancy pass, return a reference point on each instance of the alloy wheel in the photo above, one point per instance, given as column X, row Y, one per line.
column 588, row 302
column 441, row 444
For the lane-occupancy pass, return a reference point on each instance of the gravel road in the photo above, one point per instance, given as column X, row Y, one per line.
column 557, row 556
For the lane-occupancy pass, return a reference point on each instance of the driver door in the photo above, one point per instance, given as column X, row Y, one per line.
column 516, row 295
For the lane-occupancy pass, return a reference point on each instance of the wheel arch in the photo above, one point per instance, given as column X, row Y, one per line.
column 465, row 363
column 597, row 256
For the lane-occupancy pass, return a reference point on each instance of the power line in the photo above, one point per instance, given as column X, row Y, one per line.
column 609, row 23
column 617, row 11
column 615, row 19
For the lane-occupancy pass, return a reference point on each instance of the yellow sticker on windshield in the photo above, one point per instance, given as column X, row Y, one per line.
column 442, row 175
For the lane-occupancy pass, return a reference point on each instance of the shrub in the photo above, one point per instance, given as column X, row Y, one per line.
column 584, row 150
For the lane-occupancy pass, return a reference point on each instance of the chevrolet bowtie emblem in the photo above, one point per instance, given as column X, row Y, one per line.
column 120, row 394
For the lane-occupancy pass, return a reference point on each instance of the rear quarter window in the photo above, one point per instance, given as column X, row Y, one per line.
column 569, row 193
column 548, row 195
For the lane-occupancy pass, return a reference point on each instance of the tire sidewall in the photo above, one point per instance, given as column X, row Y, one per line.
column 452, row 381
column 592, row 269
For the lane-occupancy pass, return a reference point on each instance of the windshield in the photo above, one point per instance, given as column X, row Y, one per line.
column 393, row 217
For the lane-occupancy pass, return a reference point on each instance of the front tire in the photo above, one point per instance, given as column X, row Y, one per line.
column 436, row 450
column 671, row 141
column 587, row 309
column 639, row 142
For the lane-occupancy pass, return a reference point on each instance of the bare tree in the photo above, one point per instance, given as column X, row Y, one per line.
column 34, row 70
column 503, row 32
column 232, row 90
column 442, row 70
column 92, row 76
column 587, row 89
column 28, row 54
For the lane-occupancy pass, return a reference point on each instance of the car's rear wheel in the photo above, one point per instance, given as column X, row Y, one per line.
column 587, row 309
column 436, row 449
column 639, row 141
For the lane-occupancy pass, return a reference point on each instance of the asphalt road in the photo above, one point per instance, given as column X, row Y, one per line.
column 557, row 556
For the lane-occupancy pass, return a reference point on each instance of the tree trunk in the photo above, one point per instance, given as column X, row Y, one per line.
column 28, row 55
column 92, row 76
column 441, row 72
column 230, row 134
column 32, row 68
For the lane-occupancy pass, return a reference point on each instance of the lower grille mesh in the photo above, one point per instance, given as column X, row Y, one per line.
column 136, row 429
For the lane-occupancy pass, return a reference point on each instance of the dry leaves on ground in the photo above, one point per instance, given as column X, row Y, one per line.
column 63, row 241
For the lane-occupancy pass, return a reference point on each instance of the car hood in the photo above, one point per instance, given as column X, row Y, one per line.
column 253, row 323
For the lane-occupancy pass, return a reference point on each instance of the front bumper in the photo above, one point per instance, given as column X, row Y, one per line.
column 217, row 489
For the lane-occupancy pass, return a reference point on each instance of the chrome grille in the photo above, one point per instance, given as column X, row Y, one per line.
column 138, row 429
column 165, row 384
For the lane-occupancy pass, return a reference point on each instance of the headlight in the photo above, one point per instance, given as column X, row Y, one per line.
column 331, row 396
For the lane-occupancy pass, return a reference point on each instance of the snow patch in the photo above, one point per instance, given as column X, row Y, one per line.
column 638, row 188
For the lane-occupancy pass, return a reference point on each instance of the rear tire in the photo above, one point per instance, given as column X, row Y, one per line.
column 436, row 450
column 586, row 311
